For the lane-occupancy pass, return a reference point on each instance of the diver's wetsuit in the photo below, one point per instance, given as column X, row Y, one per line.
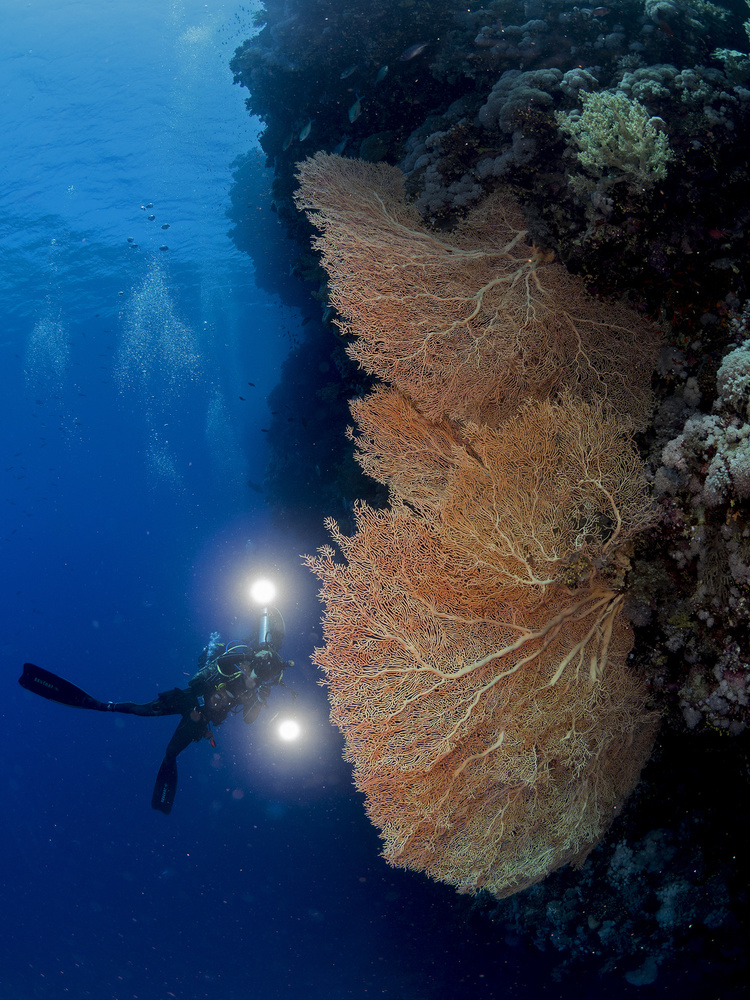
column 237, row 680
column 226, row 684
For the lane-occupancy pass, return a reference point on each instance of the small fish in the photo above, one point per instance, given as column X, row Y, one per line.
column 355, row 110
column 305, row 131
column 349, row 71
column 151, row 218
column 243, row 399
column 600, row 11
column 165, row 226
column 252, row 384
column 663, row 26
column 382, row 73
column 164, row 248
column 287, row 142
column 339, row 149
column 413, row 51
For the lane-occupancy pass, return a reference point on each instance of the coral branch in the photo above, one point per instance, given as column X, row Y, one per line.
column 475, row 653
column 466, row 324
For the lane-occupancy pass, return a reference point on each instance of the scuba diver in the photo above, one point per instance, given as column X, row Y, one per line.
column 231, row 678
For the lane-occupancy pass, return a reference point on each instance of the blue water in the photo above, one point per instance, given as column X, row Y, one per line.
column 129, row 534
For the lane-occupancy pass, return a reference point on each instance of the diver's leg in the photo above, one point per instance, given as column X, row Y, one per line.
column 174, row 702
column 187, row 732
column 132, row 708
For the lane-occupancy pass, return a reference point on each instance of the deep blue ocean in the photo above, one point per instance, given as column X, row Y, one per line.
column 129, row 534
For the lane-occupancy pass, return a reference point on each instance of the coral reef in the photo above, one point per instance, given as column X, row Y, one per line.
column 475, row 648
column 702, row 607
column 467, row 324
column 658, row 899
column 476, row 108
column 618, row 143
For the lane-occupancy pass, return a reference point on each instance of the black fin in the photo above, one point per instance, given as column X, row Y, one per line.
column 48, row 685
column 166, row 786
